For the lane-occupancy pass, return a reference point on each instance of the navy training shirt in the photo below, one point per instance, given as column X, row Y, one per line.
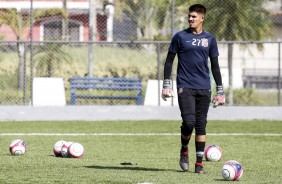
column 193, row 51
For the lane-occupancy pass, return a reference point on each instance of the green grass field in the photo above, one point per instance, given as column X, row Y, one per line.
column 151, row 146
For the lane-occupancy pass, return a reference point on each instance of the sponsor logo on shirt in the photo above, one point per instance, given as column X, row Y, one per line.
column 205, row 42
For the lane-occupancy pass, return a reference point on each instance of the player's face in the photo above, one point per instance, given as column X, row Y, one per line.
column 195, row 19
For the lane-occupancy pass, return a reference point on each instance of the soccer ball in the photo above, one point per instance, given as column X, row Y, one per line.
column 232, row 170
column 17, row 147
column 213, row 153
column 64, row 150
column 58, row 147
column 76, row 150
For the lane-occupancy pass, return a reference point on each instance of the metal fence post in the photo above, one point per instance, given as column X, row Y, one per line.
column 24, row 76
column 92, row 34
column 172, row 33
column 31, row 51
column 279, row 74
column 159, row 72
column 172, row 17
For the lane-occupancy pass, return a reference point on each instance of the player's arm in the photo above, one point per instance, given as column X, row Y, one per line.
column 167, row 91
column 219, row 98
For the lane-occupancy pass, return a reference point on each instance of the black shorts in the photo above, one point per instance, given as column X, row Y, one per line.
column 194, row 105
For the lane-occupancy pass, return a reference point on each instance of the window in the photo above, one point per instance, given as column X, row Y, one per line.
column 53, row 30
column 73, row 31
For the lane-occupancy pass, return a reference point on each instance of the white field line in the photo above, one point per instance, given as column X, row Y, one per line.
column 133, row 134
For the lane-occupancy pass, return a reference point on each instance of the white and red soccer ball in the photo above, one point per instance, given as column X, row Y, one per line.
column 213, row 153
column 232, row 170
column 17, row 147
column 64, row 150
column 57, row 148
column 75, row 150
column 68, row 149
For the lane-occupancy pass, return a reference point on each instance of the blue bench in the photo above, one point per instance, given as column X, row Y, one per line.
column 102, row 88
column 261, row 78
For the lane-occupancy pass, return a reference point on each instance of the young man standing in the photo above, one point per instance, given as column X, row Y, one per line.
column 193, row 47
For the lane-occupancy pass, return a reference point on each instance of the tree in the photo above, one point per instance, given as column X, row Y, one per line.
column 65, row 22
column 232, row 20
column 149, row 15
column 19, row 23
column 49, row 57
column 153, row 17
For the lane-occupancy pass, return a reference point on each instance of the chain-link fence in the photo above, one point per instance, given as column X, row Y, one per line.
column 256, row 79
column 129, row 39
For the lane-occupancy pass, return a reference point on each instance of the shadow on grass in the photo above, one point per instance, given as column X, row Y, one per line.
column 134, row 168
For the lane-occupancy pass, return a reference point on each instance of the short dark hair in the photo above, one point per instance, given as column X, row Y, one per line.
column 199, row 8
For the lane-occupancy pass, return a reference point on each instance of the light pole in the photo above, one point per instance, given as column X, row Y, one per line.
column 92, row 34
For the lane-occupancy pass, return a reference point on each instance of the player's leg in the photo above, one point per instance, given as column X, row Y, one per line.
column 186, row 100
column 200, row 141
column 203, row 98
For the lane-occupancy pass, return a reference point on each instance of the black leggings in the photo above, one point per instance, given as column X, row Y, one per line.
column 194, row 106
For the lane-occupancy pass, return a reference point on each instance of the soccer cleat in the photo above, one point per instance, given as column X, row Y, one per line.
column 184, row 161
column 199, row 169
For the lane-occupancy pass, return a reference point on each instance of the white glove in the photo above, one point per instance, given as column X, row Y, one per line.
column 219, row 98
column 167, row 92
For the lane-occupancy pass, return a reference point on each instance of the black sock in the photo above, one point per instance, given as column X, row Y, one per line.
column 184, row 144
column 200, row 148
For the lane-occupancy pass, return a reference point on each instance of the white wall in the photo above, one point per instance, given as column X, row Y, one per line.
column 248, row 57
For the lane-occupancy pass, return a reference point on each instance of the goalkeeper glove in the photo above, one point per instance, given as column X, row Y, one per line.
column 167, row 92
column 219, row 98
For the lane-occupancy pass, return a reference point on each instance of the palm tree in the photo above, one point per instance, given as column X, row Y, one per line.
column 232, row 20
column 49, row 57
column 19, row 23
column 65, row 22
column 149, row 15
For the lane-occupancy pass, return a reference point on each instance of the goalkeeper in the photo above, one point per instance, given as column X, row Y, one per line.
column 193, row 46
